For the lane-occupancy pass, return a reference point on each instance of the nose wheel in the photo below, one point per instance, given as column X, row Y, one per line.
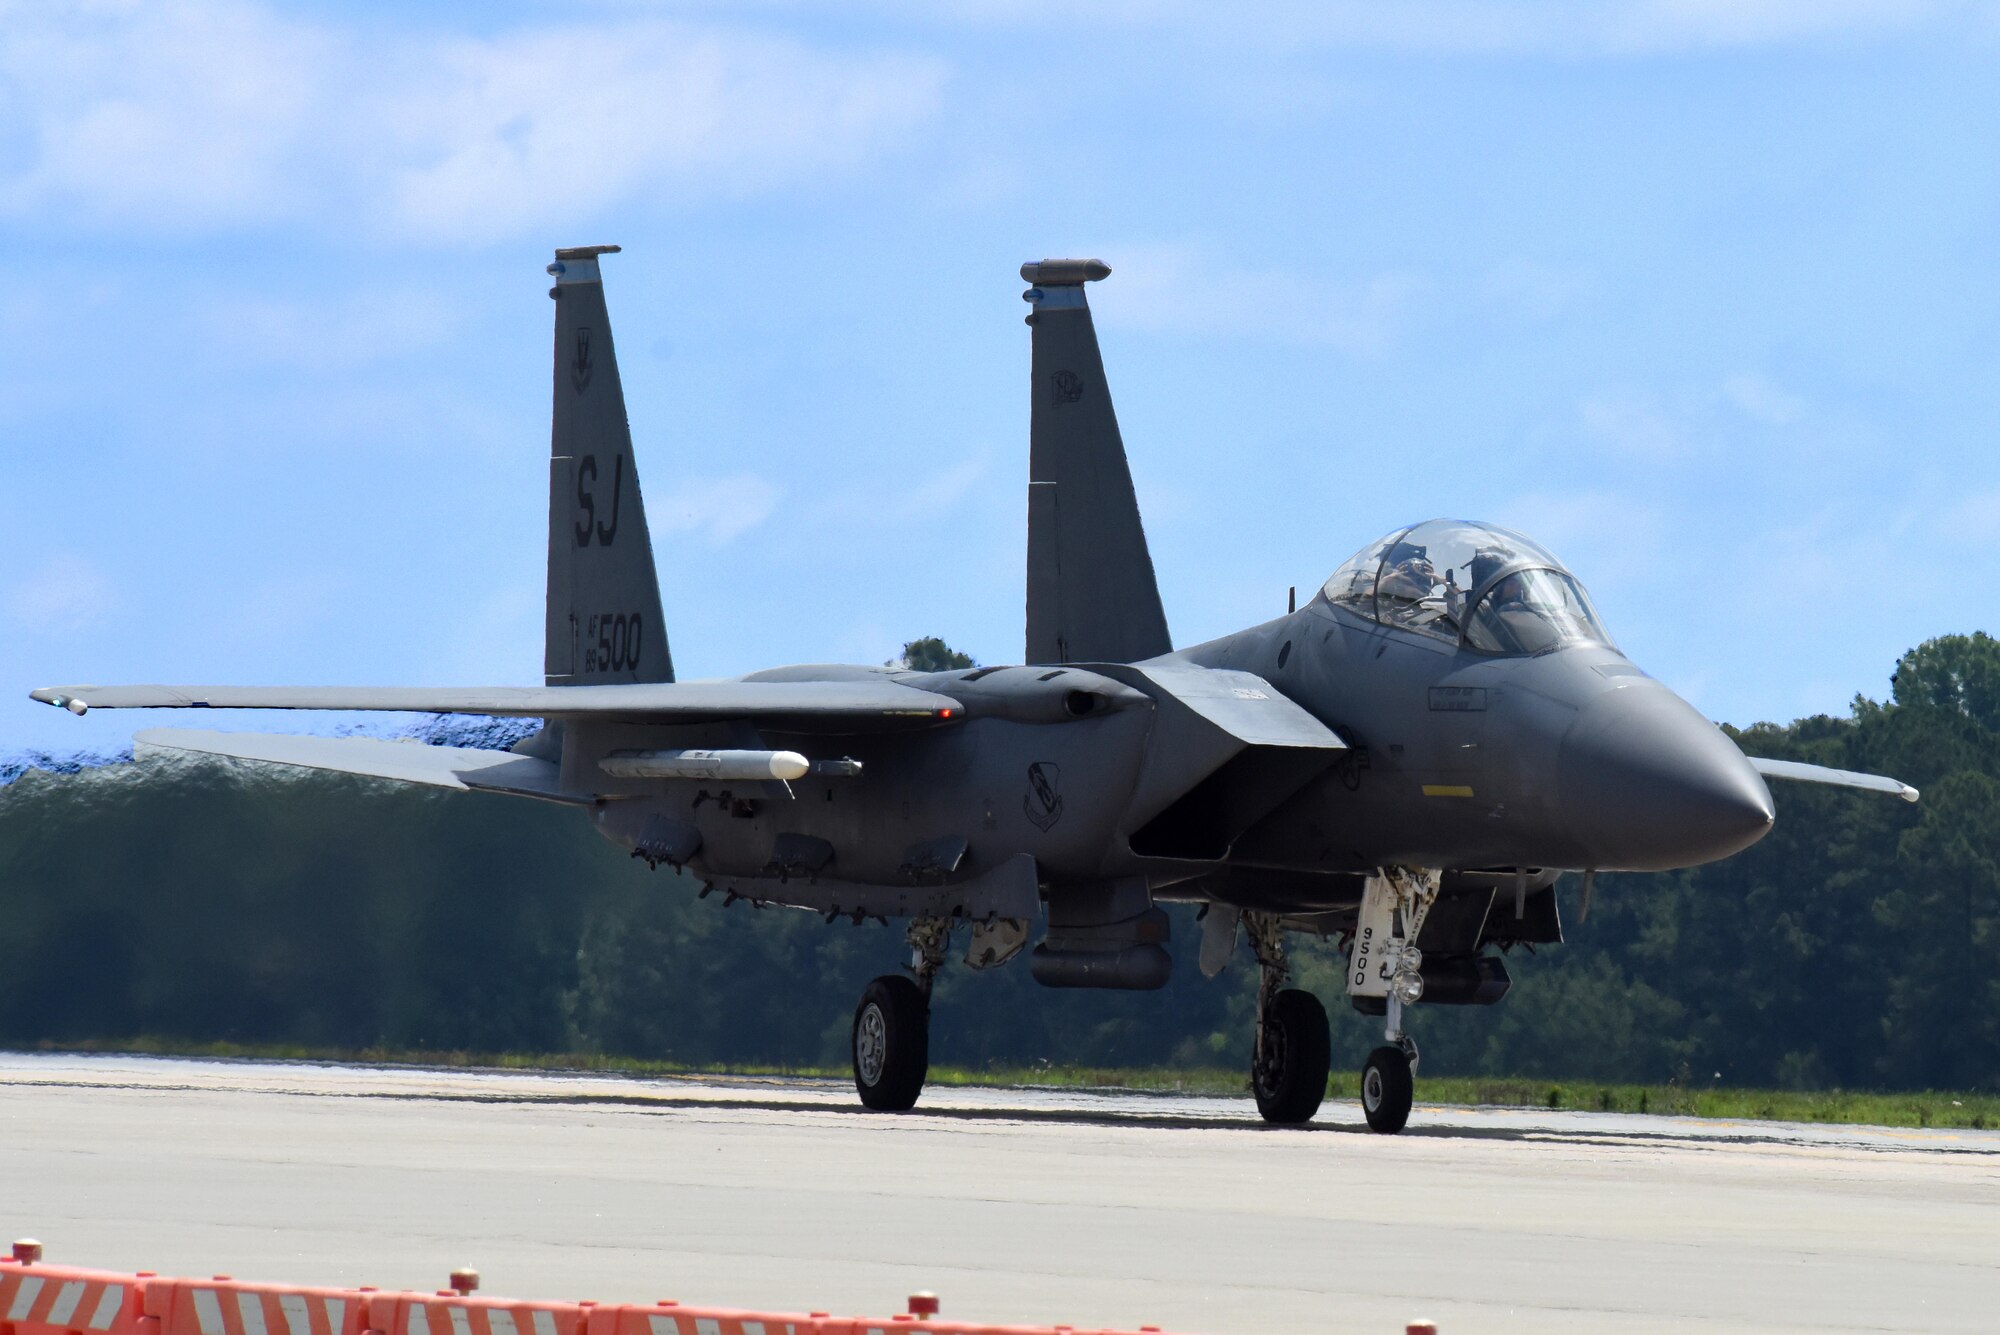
column 1387, row 1089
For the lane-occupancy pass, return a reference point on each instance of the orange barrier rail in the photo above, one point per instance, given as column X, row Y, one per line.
column 38, row 1299
column 53, row 1300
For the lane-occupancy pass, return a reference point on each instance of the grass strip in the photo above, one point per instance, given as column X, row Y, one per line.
column 1909, row 1108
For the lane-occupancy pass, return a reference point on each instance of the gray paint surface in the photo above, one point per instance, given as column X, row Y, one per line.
column 1014, row 1205
column 604, row 619
column 1091, row 592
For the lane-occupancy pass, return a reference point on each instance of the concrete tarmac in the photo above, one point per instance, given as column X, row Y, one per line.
column 1015, row 1205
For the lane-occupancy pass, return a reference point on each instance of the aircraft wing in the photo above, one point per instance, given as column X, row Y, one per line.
column 462, row 768
column 868, row 703
column 1844, row 778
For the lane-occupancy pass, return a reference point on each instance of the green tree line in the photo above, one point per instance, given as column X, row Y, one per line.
column 1858, row 945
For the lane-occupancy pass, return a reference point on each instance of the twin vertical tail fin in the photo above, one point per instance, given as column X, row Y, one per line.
column 604, row 621
column 1092, row 597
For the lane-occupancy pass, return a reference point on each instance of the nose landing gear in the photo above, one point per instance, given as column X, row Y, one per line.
column 892, row 1025
column 1386, row 964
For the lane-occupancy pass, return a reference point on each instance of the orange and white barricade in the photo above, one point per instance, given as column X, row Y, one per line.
column 678, row 1319
column 459, row 1314
column 38, row 1299
column 224, row 1306
column 674, row 1319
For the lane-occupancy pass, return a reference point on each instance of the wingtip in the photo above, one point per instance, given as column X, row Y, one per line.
column 1909, row 794
column 50, row 695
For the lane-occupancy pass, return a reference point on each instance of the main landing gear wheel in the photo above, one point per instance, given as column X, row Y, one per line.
column 1294, row 1052
column 1387, row 1090
column 892, row 1044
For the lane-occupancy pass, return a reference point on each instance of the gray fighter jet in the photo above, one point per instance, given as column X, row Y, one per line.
column 1406, row 764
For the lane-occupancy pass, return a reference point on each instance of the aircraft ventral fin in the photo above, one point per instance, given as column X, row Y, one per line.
column 875, row 703
column 1800, row 772
column 461, row 768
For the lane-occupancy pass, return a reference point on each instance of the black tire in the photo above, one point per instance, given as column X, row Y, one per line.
column 1289, row 1077
column 1386, row 1090
column 891, row 1043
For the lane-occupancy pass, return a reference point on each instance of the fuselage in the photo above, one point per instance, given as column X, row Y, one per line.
column 1569, row 759
column 1573, row 759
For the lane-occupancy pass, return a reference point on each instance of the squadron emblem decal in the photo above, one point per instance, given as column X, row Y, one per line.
column 1068, row 386
column 579, row 366
column 1044, row 803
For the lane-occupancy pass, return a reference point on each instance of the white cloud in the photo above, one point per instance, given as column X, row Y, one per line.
column 934, row 496
column 224, row 115
column 1531, row 290
column 61, row 595
column 1178, row 289
column 1632, row 422
column 351, row 330
column 1611, row 540
column 1762, row 399
column 1561, row 28
column 718, row 509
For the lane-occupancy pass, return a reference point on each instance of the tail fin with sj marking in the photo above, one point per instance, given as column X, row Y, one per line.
column 1091, row 593
column 604, row 621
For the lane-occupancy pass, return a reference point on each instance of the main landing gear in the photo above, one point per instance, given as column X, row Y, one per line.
column 1293, row 1052
column 892, row 1025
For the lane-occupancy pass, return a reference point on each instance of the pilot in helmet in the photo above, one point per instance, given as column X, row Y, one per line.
column 1407, row 573
column 1483, row 565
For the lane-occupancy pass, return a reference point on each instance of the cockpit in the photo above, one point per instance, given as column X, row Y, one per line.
column 1476, row 585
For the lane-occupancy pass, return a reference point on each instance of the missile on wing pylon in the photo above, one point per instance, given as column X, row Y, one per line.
column 705, row 765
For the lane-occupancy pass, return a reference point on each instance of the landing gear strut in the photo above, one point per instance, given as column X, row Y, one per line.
column 1386, row 963
column 1293, row 1051
column 892, row 1025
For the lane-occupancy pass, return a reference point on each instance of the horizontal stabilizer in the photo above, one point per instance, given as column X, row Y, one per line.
column 1799, row 772
column 843, row 702
column 461, row 768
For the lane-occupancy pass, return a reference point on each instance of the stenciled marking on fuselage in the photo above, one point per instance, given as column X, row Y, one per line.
column 1450, row 698
column 589, row 525
column 1043, row 803
column 580, row 365
column 611, row 641
column 1447, row 790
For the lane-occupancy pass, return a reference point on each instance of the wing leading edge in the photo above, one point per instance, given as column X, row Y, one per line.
column 1800, row 772
column 863, row 702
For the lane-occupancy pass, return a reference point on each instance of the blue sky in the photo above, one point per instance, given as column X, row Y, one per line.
column 1703, row 294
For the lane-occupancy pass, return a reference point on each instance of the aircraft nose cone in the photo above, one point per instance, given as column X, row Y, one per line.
column 1648, row 784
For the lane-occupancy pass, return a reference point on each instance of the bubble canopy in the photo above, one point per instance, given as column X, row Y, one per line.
column 1478, row 585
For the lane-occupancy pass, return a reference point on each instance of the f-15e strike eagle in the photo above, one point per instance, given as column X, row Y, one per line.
column 1406, row 764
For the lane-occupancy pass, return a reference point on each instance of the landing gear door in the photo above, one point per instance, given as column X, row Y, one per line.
column 1369, row 967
